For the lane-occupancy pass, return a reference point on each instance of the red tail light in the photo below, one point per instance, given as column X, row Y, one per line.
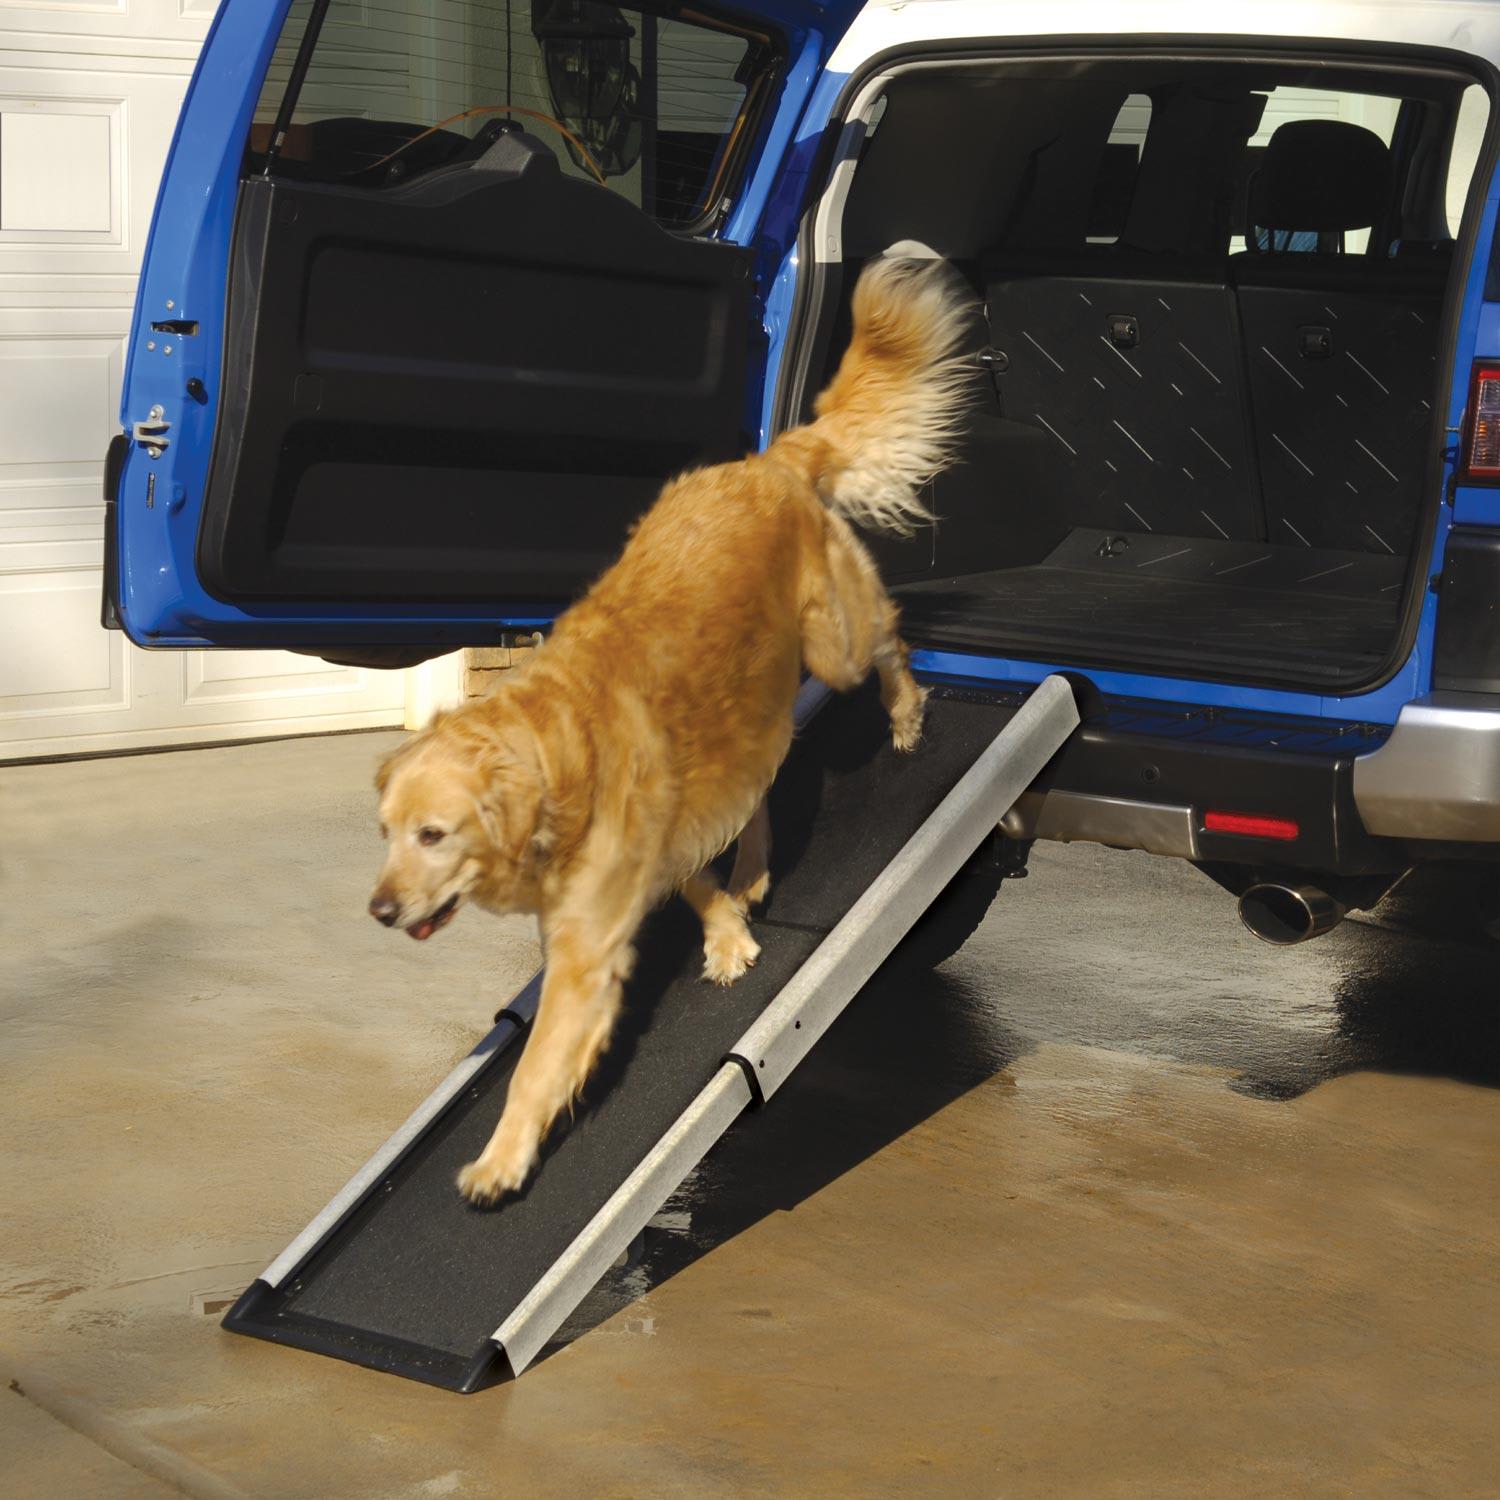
column 1250, row 825
column 1481, row 445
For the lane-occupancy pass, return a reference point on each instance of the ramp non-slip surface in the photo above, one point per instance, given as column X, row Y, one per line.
column 415, row 1280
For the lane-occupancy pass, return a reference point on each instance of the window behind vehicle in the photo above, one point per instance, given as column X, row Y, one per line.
column 658, row 109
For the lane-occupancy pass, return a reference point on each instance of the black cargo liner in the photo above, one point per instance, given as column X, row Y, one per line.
column 1237, row 609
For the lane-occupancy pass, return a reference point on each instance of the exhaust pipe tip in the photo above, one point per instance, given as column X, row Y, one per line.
column 1287, row 914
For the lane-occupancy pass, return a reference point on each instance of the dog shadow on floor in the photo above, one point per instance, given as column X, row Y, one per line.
column 910, row 1044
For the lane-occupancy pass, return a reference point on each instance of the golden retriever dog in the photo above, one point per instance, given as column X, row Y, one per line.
column 642, row 737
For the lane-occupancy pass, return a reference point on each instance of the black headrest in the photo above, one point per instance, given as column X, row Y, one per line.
column 1321, row 175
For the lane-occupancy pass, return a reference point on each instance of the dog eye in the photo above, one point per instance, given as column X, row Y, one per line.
column 430, row 835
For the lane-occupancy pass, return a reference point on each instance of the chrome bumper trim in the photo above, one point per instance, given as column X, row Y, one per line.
column 1076, row 817
column 1438, row 775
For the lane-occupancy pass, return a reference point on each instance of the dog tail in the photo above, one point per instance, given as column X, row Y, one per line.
column 887, row 421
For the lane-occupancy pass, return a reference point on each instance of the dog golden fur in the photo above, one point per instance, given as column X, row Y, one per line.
column 643, row 736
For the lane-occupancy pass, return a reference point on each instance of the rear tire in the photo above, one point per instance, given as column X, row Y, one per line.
column 960, row 907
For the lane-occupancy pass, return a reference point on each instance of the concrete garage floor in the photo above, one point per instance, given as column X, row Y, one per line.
column 1118, row 1203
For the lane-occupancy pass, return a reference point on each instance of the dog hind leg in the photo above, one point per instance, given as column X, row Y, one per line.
column 849, row 625
column 750, row 880
column 904, row 700
column 728, row 948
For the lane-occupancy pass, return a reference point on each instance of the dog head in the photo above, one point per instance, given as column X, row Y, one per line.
column 461, row 809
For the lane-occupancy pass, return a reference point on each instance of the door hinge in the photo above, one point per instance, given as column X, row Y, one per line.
column 152, row 433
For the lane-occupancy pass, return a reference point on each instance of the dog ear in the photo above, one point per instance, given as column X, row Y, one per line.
column 543, row 833
column 392, row 762
column 487, row 808
column 512, row 799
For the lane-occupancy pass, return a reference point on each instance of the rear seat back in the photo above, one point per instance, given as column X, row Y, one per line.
column 1340, row 349
column 1136, row 377
column 1280, row 395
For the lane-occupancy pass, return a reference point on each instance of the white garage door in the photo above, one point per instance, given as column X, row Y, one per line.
column 89, row 92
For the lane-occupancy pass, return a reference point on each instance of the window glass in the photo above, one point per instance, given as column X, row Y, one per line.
column 654, row 107
column 1468, row 136
column 1117, row 170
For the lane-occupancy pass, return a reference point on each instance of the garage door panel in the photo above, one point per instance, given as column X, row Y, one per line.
column 61, row 401
column 57, row 660
column 266, row 684
column 37, row 202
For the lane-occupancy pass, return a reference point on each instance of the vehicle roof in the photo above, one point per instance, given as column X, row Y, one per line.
column 1468, row 27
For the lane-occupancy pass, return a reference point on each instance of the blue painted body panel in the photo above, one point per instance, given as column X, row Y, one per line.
column 161, row 600
column 1475, row 505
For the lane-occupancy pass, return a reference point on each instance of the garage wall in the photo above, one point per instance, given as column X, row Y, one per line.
column 89, row 93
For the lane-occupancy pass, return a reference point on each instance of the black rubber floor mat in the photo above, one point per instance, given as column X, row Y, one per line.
column 1184, row 605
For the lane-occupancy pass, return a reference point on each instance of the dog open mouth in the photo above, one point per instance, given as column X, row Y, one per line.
column 440, row 918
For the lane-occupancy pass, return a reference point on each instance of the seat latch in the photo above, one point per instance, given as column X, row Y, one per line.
column 1124, row 330
column 1314, row 342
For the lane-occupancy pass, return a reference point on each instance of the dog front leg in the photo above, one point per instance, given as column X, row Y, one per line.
column 580, row 1001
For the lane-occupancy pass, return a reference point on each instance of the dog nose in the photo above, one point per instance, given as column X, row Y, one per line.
column 384, row 909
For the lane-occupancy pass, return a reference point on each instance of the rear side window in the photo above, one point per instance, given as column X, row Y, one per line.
column 1114, row 186
column 657, row 108
column 1468, row 138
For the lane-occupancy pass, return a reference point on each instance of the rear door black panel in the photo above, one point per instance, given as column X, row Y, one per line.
column 465, row 388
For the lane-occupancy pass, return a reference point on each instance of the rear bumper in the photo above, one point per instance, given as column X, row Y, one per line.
column 1437, row 776
column 1140, row 775
column 1365, row 799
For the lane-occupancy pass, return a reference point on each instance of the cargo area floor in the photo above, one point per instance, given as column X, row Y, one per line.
column 1244, row 609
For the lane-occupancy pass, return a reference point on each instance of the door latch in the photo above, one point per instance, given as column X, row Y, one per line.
column 152, row 433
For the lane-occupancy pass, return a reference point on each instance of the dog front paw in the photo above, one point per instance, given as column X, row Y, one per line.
column 728, row 952
column 486, row 1181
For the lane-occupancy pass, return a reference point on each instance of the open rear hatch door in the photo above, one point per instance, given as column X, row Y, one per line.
column 434, row 303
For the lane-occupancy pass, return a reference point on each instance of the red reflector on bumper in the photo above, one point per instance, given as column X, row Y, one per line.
column 1251, row 825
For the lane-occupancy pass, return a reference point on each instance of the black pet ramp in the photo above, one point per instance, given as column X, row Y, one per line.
column 400, row 1274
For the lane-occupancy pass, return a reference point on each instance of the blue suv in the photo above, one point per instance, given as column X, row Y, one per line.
column 437, row 294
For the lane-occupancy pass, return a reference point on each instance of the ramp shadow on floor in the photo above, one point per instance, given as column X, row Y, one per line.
column 912, row 1043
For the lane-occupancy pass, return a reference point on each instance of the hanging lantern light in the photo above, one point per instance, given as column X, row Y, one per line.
column 595, row 90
